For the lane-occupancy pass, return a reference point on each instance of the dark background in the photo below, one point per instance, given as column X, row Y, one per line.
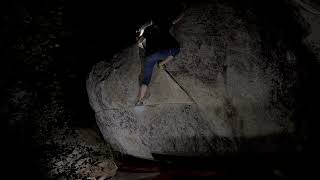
column 49, row 46
column 47, row 49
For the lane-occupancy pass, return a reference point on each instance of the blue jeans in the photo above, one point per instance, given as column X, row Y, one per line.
column 152, row 59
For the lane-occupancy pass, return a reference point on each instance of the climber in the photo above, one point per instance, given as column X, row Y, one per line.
column 161, row 47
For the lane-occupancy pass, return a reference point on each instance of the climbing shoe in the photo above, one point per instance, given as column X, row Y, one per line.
column 139, row 103
column 162, row 67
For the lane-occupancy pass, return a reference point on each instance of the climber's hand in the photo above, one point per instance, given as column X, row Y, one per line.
column 140, row 39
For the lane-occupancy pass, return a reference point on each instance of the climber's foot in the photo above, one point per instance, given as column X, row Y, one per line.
column 139, row 103
column 161, row 66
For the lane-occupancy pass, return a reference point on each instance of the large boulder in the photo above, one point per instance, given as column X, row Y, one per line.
column 234, row 90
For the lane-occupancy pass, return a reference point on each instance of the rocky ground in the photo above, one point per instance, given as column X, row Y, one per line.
column 50, row 137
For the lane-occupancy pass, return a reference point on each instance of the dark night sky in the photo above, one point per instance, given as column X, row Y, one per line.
column 113, row 24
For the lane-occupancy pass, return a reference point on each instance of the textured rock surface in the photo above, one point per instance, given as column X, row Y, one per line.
column 240, row 92
column 310, row 11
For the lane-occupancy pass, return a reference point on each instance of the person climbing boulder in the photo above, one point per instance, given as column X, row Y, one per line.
column 161, row 47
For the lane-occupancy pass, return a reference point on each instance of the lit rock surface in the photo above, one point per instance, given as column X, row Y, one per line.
column 239, row 92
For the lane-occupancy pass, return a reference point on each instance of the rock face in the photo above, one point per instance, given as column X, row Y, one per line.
column 236, row 90
column 310, row 11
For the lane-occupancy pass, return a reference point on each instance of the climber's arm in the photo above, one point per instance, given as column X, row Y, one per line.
column 140, row 41
column 178, row 19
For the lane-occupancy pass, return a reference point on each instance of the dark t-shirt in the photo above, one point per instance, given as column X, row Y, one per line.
column 159, row 38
